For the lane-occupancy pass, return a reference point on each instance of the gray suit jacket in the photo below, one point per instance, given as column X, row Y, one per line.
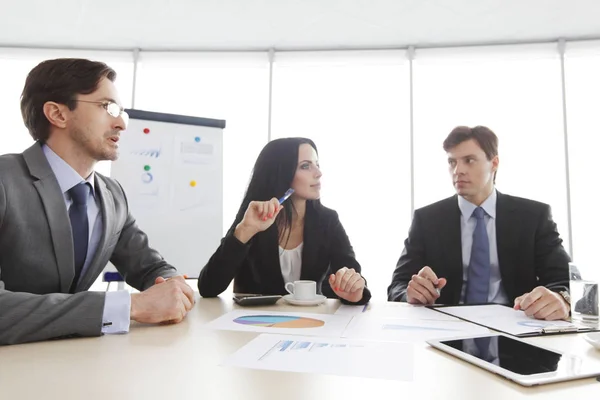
column 36, row 253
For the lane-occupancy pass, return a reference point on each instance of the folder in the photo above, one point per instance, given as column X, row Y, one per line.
column 505, row 319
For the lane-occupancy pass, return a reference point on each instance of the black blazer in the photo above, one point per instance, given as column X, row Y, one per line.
column 255, row 267
column 530, row 251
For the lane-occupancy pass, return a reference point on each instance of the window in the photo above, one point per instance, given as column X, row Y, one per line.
column 228, row 86
column 513, row 90
column 583, row 102
column 355, row 106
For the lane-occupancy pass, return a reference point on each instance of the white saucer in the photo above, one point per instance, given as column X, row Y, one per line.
column 593, row 339
column 314, row 302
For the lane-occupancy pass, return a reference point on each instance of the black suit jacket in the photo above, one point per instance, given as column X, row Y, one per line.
column 530, row 251
column 255, row 267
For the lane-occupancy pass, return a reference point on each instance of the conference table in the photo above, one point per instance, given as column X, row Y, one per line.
column 183, row 362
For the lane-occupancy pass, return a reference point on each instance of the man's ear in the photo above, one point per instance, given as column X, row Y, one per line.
column 56, row 114
column 495, row 163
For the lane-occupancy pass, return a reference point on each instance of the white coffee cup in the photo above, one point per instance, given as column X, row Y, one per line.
column 302, row 290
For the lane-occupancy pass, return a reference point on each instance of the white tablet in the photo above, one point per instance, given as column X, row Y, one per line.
column 519, row 361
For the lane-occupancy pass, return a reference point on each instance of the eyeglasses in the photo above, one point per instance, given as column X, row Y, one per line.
column 112, row 108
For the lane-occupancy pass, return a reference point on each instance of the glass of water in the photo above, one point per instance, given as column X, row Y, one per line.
column 584, row 296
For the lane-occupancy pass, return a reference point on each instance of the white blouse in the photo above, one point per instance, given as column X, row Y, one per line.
column 291, row 263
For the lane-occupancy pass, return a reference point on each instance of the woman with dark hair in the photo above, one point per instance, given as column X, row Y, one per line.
column 270, row 244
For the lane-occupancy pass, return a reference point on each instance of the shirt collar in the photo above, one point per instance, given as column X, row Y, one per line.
column 66, row 176
column 489, row 206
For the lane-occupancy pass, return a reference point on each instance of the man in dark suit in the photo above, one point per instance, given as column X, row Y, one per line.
column 60, row 222
column 480, row 245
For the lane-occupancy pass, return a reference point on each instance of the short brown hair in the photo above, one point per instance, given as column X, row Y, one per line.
column 485, row 138
column 58, row 80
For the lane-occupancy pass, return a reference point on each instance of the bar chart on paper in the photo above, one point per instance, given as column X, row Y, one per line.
column 326, row 355
column 408, row 330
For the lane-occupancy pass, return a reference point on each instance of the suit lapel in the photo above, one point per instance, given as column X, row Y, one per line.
column 507, row 234
column 54, row 206
column 451, row 243
column 107, row 210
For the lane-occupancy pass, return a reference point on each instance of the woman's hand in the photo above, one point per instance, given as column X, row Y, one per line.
column 347, row 284
column 259, row 216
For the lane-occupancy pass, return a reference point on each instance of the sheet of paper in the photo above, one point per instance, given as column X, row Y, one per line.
column 502, row 318
column 372, row 327
column 287, row 323
column 345, row 357
column 346, row 309
column 408, row 311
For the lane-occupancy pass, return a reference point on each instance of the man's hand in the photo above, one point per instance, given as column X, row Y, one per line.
column 424, row 287
column 169, row 300
column 542, row 303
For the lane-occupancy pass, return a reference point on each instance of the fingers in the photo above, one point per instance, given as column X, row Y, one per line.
column 179, row 314
column 531, row 297
column 341, row 278
column 159, row 280
column 332, row 280
column 180, row 278
column 427, row 285
column 545, row 311
column 348, row 275
column 338, row 278
column 355, row 277
column 428, row 273
column 537, row 306
column 542, row 303
column 266, row 209
column 441, row 283
column 351, row 281
column 358, row 285
column 185, row 300
column 518, row 300
column 419, row 292
column 557, row 315
column 437, row 283
column 276, row 206
column 414, row 297
column 189, row 293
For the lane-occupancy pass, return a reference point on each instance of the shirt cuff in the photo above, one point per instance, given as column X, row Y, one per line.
column 116, row 315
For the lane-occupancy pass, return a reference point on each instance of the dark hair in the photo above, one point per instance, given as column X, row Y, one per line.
column 485, row 138
column 272, row 176
column 58, row 80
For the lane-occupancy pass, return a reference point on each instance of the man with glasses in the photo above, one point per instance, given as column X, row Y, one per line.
column 61, row 222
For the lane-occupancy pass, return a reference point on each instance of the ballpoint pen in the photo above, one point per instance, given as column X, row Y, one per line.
column 286, row 195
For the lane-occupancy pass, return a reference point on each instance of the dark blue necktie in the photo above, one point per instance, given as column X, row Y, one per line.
column 478, row 284
column 79, row 226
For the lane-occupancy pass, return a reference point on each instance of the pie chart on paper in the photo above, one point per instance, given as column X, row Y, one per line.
column 279, row 321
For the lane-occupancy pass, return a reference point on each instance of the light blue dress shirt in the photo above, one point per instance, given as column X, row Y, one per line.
column 467, row 227
column 117, row 305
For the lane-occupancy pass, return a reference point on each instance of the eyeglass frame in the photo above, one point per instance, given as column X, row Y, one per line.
column 106, row 104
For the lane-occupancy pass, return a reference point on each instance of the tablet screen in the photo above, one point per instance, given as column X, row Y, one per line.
column 510, row 354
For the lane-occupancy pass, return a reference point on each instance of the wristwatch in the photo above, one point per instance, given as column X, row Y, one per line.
column 565, row 296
